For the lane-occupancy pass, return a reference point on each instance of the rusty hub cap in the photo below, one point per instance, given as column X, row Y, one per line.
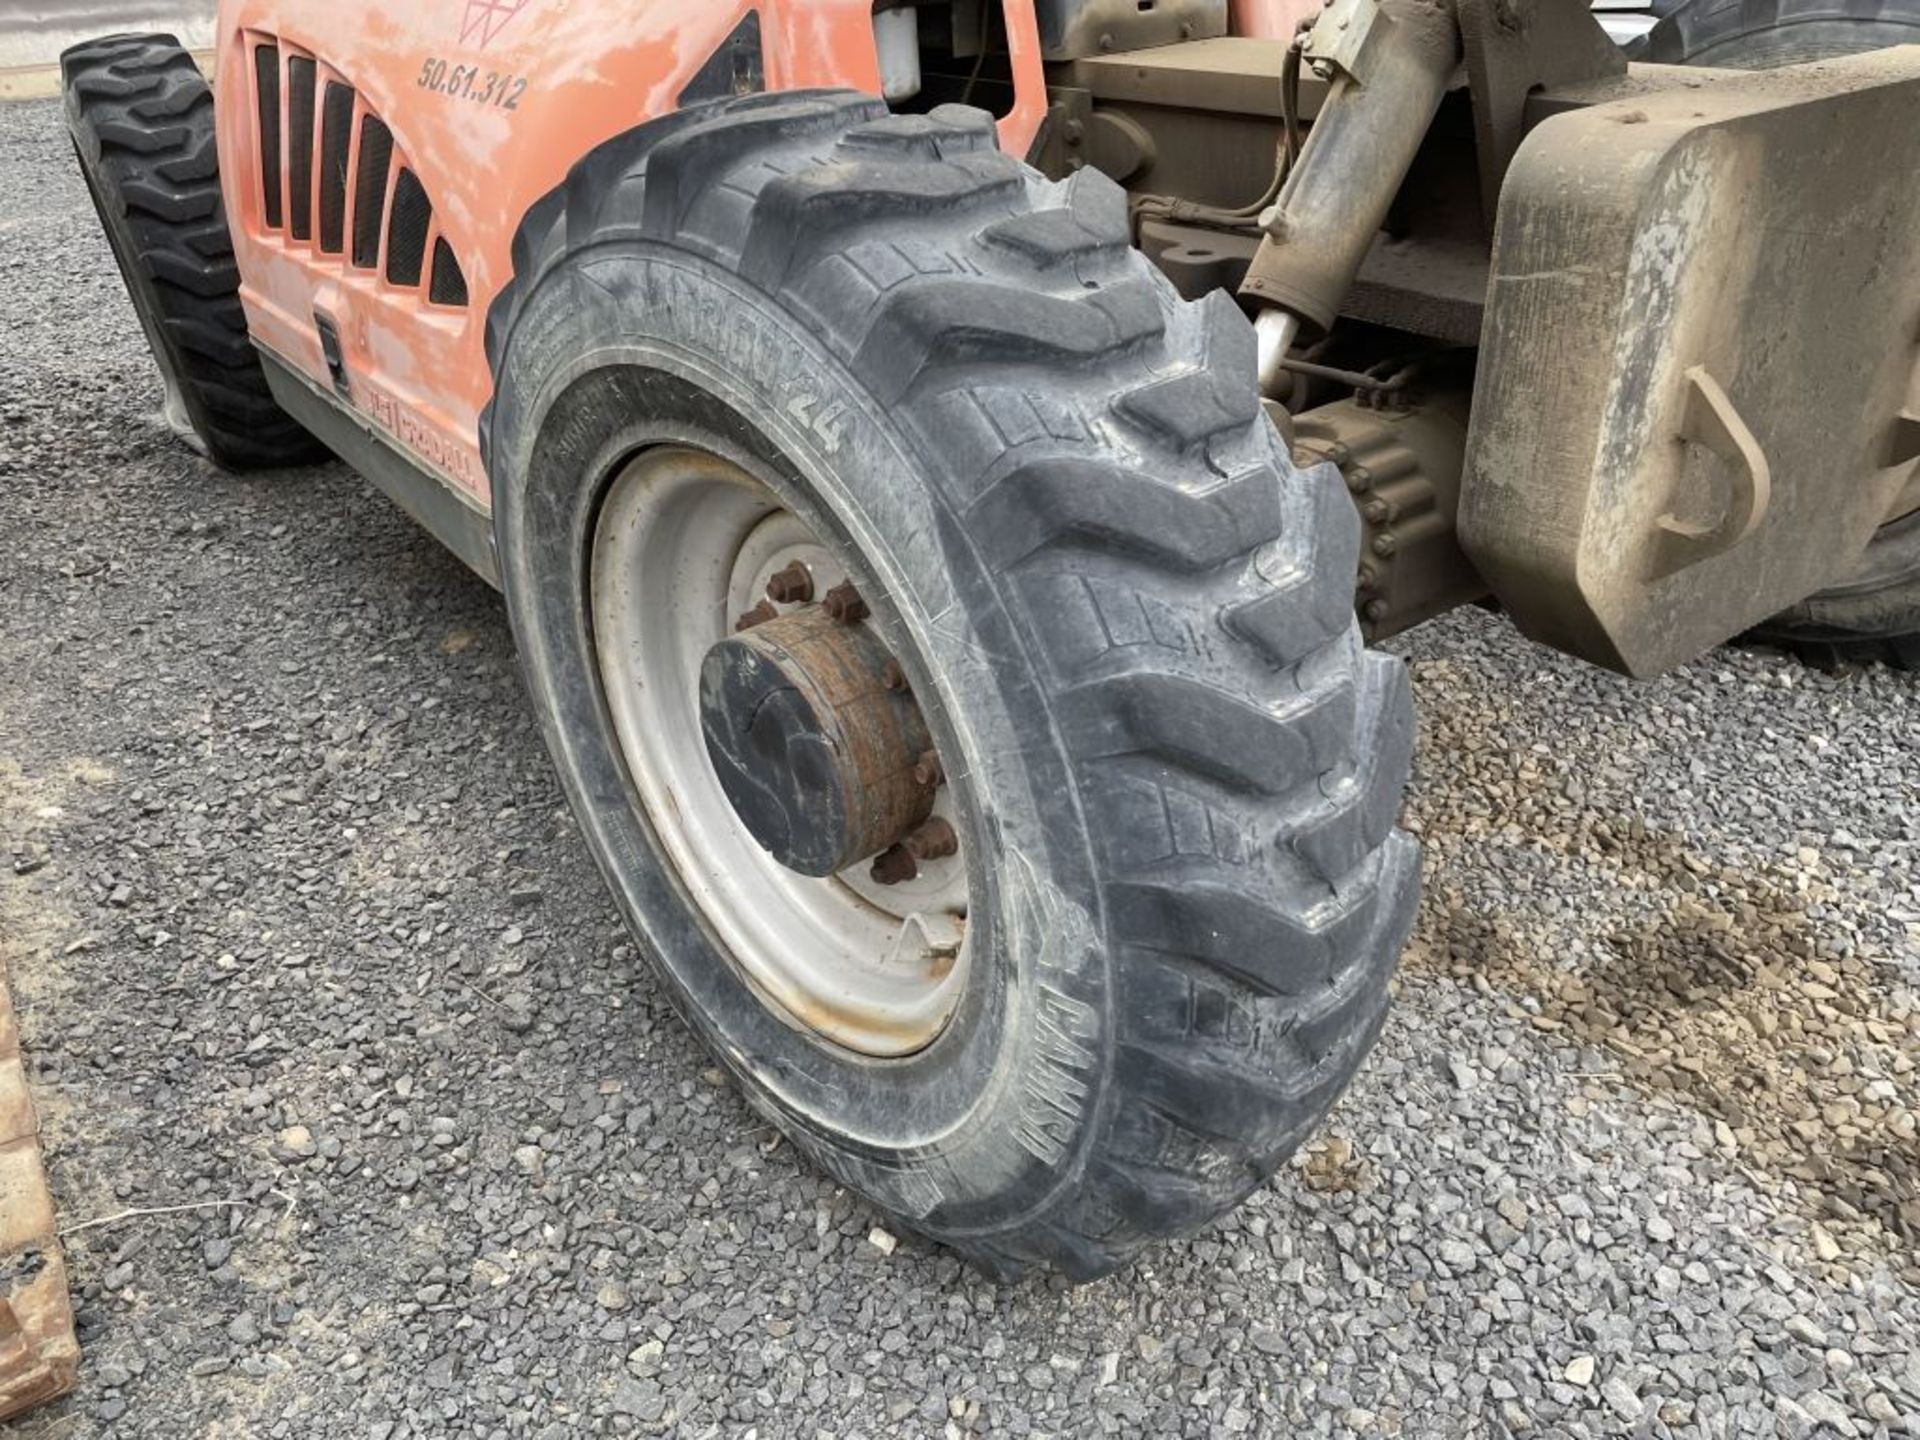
column 813, row 745
column 779, row 753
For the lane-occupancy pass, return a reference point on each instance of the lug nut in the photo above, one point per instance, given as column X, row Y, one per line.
column 791, row 585
column 894, row 865
column 758, row 615
column 927, row 770
column 892, row 676
column 844, row 604
column 932, row 841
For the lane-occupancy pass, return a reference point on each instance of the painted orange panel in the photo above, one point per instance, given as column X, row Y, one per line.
column 490, row 102
column 1270, row 19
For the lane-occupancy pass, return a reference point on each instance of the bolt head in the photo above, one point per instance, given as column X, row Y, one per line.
column 894, row 866
column 791, row 585
column 844, row 604
column 758, row 615
column 932, row 841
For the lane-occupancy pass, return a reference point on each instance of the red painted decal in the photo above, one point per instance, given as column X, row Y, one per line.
column 486, row 18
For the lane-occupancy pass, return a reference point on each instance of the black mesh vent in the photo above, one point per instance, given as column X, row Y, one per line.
column 407, row 230
column 336, row 131
column 449, row 286
column 266, row 73
column 300, row 83
column 370, row 190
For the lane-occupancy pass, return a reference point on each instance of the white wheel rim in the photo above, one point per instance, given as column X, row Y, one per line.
column 684, row 544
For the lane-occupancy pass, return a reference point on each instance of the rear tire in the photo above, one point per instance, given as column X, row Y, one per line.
column 1126, row 616
column 1744, row 35
column 141, row 117
column 1872, row 618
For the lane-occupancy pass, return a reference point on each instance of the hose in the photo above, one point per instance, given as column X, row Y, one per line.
column 1240, row 217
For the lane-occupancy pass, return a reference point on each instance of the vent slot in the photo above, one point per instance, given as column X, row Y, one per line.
column 407, row 230
column 370, row 189
column 322, row 149
column 300, row 85
column 336, row 130
column 449, row 285
column 266, row 77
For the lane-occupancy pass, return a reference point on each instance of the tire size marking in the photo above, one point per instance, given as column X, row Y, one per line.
column 825, row 425
column 754, row 350
column 1056, row 1094
column 460, row 81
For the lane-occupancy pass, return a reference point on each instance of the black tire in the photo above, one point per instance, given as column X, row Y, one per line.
column 1874, row 616
column 141, row 116
column 1761, row 34
column 1117, row 599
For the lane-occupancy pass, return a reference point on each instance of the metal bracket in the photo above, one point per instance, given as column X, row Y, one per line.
column 1343, row 40
column 1077, row 29
column 1904, row 446
column 736, row 67
column 927, row 938
column 1514, row 47
column 1711, row 422
column 1062, row 141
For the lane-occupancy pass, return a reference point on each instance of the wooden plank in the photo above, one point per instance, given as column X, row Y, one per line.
column 39, row 1356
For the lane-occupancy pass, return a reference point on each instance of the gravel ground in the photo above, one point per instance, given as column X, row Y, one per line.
column 303, row 938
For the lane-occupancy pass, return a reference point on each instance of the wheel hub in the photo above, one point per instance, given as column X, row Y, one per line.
column 815, row 740
column 692, row 557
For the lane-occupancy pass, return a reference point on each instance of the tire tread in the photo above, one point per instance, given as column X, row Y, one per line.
column 1188, row 593
column 141, row 117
